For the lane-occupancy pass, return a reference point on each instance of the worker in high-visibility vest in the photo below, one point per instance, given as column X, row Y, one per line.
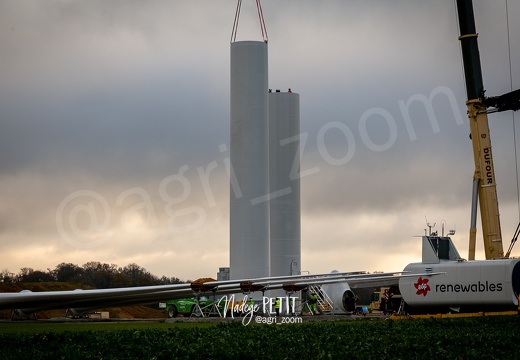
column 251, row 304
column 277, row 306
column 313, row 301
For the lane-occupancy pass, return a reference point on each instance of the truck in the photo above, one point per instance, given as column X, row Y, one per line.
column 386, row 301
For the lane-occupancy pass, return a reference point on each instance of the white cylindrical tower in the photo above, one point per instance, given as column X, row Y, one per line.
column 249, row 204
column 284, row 183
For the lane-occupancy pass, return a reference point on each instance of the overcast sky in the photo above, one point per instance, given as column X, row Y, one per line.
column 112, row 113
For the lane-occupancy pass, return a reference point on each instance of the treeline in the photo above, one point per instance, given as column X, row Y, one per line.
column 93, row 273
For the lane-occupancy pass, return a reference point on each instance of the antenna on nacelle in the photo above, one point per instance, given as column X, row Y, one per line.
column 429, row 227
column 450, row 232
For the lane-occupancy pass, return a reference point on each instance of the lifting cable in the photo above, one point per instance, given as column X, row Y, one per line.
column 517, row 232
column 514, row 126
column 263, row 28
column 262, row 21
column 235, row 23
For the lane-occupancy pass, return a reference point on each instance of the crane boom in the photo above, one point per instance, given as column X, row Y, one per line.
column 484, row 176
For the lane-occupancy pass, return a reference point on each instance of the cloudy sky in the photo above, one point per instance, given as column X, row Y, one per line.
column 111, row 112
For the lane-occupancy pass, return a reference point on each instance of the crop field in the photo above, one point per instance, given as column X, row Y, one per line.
column 494, row 337
column 58, row 327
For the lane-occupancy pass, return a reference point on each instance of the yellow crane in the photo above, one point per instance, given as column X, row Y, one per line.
column 484, row 185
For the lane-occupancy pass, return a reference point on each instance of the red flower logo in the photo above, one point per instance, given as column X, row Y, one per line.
column 422, row 286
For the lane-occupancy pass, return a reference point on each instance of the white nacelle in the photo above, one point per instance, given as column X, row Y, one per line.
column 466, row 283
column 485, row 284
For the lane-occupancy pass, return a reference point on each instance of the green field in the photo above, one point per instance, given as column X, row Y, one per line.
column 58, row 327
column 494, row 337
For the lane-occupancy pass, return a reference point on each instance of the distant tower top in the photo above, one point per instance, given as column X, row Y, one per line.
column 263, row 29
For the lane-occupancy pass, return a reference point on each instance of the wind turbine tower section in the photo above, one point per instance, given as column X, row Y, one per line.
column 284, row 183
column 249, row 189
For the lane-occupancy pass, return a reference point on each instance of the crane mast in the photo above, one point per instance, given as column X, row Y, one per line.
column 484, row 185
